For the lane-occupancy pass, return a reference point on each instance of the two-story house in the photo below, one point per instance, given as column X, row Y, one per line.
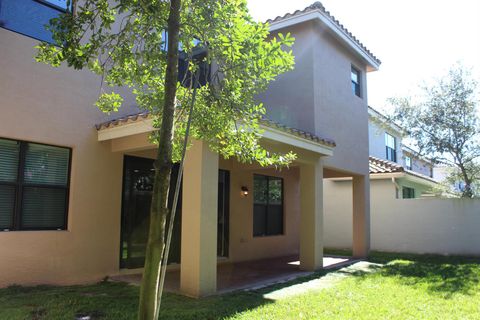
column 76, row 184
column 396, row 172
column 390, row 158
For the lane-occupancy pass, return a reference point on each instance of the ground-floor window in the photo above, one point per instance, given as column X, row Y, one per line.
column 408, row 193
column 34, row 186
column 268, row 205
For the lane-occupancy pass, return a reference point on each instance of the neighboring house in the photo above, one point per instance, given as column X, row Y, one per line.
column 411, row 174
column 396, row 172
column 75, row 184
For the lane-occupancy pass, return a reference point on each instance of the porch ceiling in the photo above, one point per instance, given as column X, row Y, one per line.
column 142, row 123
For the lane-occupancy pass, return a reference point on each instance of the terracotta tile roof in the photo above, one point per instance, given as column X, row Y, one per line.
column 123, row 120
column 378, row 166
column 266, row 122
column 297, row 132
column 318, row 6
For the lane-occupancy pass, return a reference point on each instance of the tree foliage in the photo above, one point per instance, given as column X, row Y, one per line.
column 136, row 44
column 444, row 123
column 125, row 42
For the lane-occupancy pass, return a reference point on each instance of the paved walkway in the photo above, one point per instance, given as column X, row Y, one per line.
column 324, row 282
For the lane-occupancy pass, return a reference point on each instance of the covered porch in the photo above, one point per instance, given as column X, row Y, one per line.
column 247, row 275
column 218, row 252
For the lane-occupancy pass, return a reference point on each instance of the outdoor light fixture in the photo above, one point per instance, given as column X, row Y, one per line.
column 244, row 191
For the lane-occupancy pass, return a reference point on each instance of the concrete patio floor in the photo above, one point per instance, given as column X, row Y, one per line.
column 247, row 275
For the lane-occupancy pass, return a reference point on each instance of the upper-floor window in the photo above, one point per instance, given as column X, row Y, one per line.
column 390, row 143
column 408, row 193
column 34, row 186
column 267, row 205
column 408, row 162
column 355, row 75
column 29, row 17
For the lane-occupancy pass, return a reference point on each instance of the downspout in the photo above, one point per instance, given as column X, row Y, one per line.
column 397, row 187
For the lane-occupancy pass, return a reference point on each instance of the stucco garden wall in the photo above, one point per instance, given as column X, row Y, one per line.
column 438, row 226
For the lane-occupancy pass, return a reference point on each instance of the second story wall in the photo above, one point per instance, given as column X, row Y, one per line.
column 339, row 113
column 317, row 96
column 377, row 141
column 289, row 99
column 417, row 164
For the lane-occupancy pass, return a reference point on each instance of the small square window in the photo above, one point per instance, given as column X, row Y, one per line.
column 355, row 77
column 408, row 193
column 408, row 162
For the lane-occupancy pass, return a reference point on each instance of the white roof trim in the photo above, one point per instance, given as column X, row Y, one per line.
column 374, row 114
column 127, row 129
column 293, row 140
column 405, row 175
column 341, row 34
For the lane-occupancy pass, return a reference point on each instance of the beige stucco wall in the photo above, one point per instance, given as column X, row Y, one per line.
column 338, row 217
column 339, row 113
column 55, row 106
column 440, row 226
column 243, row 246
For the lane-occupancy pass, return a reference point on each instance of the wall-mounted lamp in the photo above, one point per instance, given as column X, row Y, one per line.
column 244, row 191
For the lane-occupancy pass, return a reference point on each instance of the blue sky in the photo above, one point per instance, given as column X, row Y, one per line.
column 417, row 40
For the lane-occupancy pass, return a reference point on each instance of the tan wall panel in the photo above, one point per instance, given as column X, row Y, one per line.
column 243, row 246
column 55, row 106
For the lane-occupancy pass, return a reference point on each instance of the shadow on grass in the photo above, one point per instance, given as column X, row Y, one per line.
column 445, row 275
column 116, row 301
column 212, row 308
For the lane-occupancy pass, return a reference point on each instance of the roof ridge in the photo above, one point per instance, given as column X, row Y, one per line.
column 320, row 7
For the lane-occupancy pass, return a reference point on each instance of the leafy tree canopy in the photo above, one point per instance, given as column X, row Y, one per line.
column 444, row 123
column 125, row 42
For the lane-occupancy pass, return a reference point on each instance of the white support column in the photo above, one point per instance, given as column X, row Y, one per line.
column 361, row 216
column 311, row 216
column 198, row 266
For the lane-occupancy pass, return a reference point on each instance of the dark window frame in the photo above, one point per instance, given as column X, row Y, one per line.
column 408, row 164
column 20, row 185
column 356, row 85
column 282, row 205
column 408, row 193
column 391, row 153
column 49, row 6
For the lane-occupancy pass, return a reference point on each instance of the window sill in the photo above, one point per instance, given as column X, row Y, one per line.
column 269, row 236
column 38, row 230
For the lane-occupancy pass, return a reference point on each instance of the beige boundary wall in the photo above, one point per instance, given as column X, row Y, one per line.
column 437, row 226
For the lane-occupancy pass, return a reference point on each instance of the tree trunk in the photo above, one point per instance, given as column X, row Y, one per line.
column 467, row 192
column 163, row 168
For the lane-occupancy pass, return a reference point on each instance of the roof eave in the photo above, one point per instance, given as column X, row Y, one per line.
column 372, row 64
column 142, row 124
column 404, row 175
column 273, row 134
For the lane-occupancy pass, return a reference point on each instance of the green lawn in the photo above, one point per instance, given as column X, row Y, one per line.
column 406, row 287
